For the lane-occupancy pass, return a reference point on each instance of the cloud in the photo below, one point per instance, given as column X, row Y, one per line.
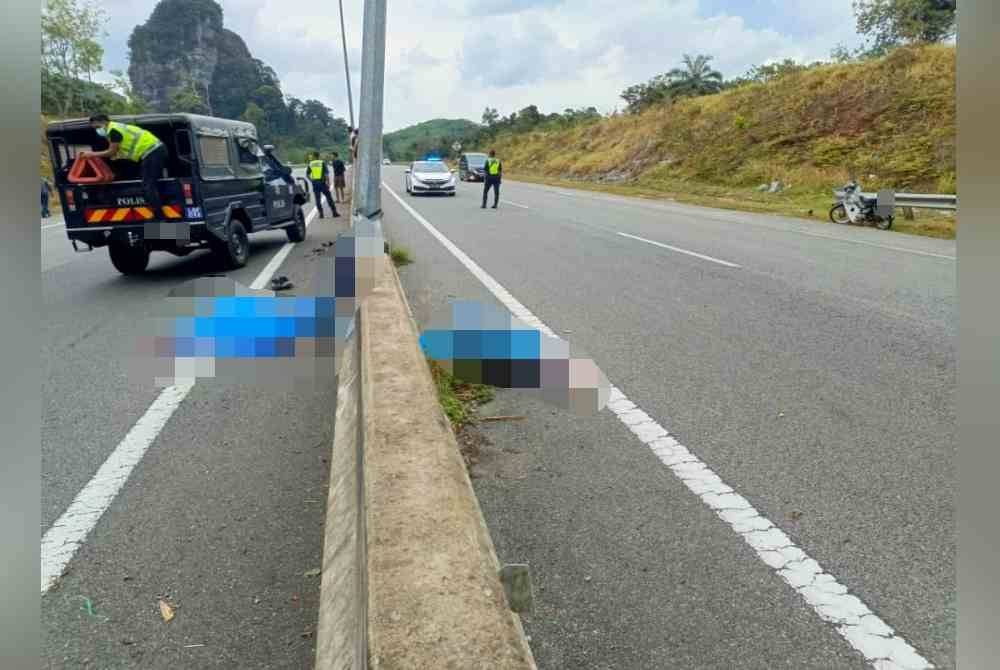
column 527, row 53
column 498, row 7
column 445, row 58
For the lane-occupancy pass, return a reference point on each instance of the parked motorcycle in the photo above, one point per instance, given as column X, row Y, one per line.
column 859, row 210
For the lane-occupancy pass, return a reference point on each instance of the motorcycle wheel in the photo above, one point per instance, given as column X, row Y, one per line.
column 838, row 214
column 884, row 224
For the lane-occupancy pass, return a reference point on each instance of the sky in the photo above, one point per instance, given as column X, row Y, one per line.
column 453, row 58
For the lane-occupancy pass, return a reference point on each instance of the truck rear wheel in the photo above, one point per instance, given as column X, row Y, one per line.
column 235, row 251
column 128, row 259
column 297, row 231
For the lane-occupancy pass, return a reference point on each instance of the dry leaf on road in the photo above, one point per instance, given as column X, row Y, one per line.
column 166, row 611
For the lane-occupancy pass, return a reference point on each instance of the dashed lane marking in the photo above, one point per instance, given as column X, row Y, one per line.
column 863, row 630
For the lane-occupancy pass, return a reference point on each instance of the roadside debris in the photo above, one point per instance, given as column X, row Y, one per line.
column 508, row 417
column 281, row 283
column 166, row 611
column 315, row 572
column 88, row 606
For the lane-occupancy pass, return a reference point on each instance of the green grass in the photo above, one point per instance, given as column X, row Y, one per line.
column 400, row 256
column 458, row 399
column 890, row 122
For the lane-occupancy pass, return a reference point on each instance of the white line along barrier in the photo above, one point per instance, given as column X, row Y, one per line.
column 856, row 623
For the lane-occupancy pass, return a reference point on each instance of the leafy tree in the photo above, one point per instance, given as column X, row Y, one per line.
column 640, row 96
column 695, row 78
column 187, row 99
column 130, row 101
column 70, row 48
column 254, row 114
column 888, row 23
column 490, row 117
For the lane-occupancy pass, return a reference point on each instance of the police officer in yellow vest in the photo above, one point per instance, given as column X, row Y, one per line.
column 135, row 144
column 319, row 175
column 493, row 171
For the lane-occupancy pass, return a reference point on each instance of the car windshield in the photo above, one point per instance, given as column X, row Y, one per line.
column 430, row 166
column 476, row 160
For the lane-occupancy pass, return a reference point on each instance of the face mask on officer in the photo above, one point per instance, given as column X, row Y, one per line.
column 102, row 131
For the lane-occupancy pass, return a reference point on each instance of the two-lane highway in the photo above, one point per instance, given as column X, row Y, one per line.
column 808, row 367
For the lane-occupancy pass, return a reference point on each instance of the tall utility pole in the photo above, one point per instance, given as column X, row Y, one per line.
column 368, row 197
column 347, row 69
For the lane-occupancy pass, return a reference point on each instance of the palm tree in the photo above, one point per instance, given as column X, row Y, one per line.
column 695, row 78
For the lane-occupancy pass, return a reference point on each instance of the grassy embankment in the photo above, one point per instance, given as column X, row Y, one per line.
column 890, row 122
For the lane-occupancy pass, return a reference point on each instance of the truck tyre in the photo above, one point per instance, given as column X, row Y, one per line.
column 235, row 251
column 297, row 232
column 127, row 259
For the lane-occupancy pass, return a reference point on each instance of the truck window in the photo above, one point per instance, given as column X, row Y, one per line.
column 214, row 156
column 249, row 161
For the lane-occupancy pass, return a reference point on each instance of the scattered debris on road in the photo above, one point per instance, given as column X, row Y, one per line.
column 504, row 417
column 166, row 611
column 281, row 283
column 315, row 572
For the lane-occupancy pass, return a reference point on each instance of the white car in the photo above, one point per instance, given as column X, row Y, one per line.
column 386, row 161
column 429, row 177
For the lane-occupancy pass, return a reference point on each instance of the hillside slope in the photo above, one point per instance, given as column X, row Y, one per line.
column 436, row 135
column 890, row 122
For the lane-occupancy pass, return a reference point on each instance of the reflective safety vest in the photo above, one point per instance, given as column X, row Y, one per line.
column 136, row 142
column 493, row 166
column 315, row 170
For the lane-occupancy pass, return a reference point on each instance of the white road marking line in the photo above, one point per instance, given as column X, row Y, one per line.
column 53, row 225
column 67, row 534
column 663, row 206
column 516, row 204
column 856, row 623
column 681, row 251
column 867, row 244
column 62, row 540
column 278, row 258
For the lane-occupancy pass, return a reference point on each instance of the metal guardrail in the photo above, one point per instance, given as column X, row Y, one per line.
column 921, row 200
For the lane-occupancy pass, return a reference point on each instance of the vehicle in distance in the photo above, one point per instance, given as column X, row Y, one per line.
column 218, row 187
column 429, row 177
column 386, row 161
column 472, row 167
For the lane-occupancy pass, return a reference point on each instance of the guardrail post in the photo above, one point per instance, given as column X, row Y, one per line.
column 908, row 213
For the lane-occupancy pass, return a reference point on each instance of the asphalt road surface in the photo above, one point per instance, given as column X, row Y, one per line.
column 810, row 366
column 223, row 515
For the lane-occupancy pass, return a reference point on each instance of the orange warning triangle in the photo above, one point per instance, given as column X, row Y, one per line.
column 90, row 170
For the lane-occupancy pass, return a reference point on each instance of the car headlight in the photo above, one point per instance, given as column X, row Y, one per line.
column 416, row 180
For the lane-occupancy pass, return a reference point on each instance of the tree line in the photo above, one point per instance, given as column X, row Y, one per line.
column 884, row 25
column 71, row 55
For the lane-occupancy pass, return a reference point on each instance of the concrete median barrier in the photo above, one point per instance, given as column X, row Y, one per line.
column 410, row 574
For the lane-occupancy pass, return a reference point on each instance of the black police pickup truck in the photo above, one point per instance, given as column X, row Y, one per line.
column 218, row 186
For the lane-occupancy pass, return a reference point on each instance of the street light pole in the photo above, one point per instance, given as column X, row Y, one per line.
column 347, row 69
column 368, row 198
